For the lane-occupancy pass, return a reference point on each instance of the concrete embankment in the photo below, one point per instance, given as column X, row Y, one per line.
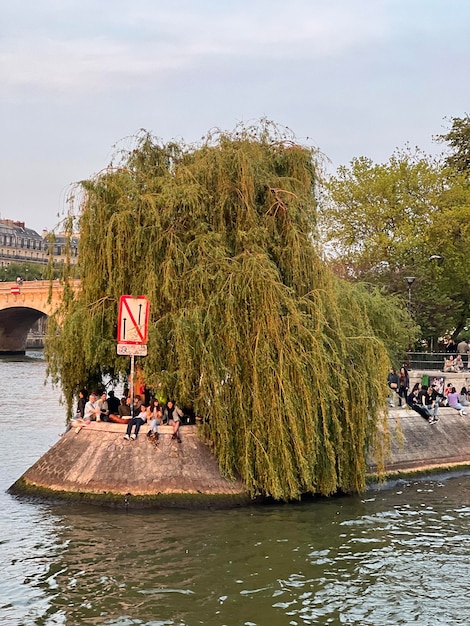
column 98, row 465
column 420, row 447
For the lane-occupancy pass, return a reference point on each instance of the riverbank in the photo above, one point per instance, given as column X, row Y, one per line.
column 417, row 447
column 96, row 464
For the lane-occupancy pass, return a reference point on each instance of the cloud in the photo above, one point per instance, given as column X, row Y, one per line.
column 131, row 42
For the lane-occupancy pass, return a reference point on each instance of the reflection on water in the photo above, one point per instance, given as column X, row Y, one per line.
column 392, row 557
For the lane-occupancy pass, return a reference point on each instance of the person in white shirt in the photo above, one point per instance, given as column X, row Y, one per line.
column 92, row 410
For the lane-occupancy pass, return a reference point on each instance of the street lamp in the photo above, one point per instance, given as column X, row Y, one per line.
column 410, row 280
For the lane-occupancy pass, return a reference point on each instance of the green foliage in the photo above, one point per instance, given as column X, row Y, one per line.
column 27, row 270
column 247, row 325
column 407, row 217
column 458, row 139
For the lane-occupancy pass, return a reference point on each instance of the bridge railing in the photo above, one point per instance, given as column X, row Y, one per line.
column 34, row 285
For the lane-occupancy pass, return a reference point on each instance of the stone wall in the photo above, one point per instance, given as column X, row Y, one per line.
column 97, row 464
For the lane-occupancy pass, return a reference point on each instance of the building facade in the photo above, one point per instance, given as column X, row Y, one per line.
column 19, row 244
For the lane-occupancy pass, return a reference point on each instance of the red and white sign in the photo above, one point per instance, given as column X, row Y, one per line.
column 15, row 289
column 133, row 320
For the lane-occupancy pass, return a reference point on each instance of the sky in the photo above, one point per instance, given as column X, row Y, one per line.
column 354, row 78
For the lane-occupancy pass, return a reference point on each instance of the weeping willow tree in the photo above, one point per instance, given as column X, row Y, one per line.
column 247, row 324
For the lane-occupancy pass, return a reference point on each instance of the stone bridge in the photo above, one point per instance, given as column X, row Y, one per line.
column 21, row 306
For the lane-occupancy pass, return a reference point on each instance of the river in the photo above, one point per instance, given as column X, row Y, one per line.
column 395, row 556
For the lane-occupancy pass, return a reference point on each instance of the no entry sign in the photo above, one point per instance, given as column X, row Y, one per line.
column 133, row 320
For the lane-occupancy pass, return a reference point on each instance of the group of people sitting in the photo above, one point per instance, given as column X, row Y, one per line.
column 156, row 415
column 108, row 408
column 425, row 399
column 454, row 364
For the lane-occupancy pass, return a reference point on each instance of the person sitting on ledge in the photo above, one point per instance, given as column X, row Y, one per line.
column 137, row 422
column 458, row 363
column 104, row 409
column 155, row 416
column 92, row 410
column 113, row 403
column 453, row 401
column 447, row 389
column 138, row 402
column 124, row 409
column 449, row 364
column 463, row 397
column 82, row 400
column 413, row 401
column 172, row 415
column 430, row 399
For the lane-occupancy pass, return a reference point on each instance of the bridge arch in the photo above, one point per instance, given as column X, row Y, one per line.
column 19, row 311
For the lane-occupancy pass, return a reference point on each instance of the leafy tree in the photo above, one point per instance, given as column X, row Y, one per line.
column 247, row 325
column 407, row 217
column 458, row 139
column 27, row 270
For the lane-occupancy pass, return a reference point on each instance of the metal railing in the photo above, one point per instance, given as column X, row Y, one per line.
column 433, row 361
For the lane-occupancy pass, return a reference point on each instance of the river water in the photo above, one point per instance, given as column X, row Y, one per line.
column 395, row 556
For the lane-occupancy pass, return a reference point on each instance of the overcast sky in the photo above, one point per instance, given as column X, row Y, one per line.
column 352, row 77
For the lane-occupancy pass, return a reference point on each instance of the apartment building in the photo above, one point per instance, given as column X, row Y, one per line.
column 19, row 244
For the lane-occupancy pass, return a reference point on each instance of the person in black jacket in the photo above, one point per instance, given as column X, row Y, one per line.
column 403, row 385
column 113, row 403
column 413, row 401
column 82, row 400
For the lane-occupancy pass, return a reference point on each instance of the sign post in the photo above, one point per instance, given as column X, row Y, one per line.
column 133, row 331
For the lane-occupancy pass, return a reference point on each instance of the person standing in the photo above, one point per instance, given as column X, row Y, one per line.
column 463, row 349
column 403, row 385
column 451, row 348
column 392, row 381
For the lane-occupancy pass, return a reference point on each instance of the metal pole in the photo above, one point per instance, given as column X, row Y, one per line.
column 132, row 385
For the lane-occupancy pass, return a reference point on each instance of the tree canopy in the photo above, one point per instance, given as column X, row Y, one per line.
column 248, row 325
column 406, row 217
column 458, row 140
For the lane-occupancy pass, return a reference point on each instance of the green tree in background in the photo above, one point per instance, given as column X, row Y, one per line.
column 407, row 217
column 458, row 140
column 285, row 361
column 27, row 271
